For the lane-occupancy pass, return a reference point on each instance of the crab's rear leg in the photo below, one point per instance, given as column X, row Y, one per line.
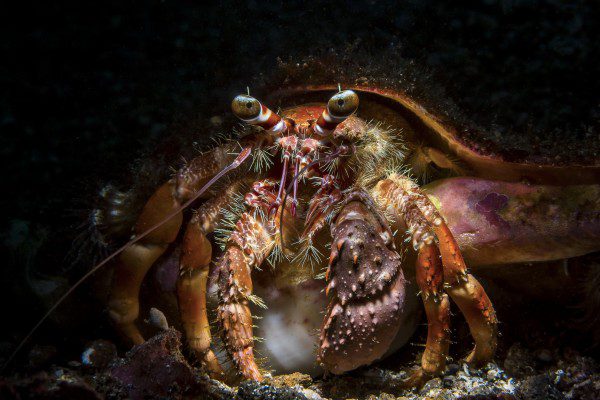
column 196, row 254
column 191, row 294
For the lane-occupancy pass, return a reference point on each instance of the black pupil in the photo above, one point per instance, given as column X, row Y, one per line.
column 249, row 105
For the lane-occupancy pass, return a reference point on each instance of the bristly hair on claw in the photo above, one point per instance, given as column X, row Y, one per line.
column 262, row 160
column 379, row 149
column 231, row 214
column 307, row 253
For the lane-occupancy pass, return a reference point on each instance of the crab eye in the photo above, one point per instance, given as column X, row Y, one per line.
column 252, row 112
column 343, row 104
column 245, row 107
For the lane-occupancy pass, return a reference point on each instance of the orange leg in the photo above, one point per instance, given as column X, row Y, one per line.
column 420, row 215
column 429, row 274
column 470, row 297
column 234, row 314
column 196, row 253
column 462, row 287
column 191, row 292
column 252, row 240
column 134, row 262
column 437, row 307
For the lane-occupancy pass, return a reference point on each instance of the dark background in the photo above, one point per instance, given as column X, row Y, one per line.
column 88, row 89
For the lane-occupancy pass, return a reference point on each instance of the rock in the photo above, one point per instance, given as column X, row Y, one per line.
column 157, row 319
column 539, row 387
column 156, row 369
column 579, row 378
column 435, row 383
column 589, row 389
column 452, row 369
column 294, row 379
column 59, row 385
column 493, row 374
column 311, row 394
column 99, row 354
column 251, row 390
column 448, row 381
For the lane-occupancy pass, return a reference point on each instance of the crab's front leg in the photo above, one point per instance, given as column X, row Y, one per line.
column 252, row 240
column 405, row 199
column 196, row 254
column 134, row 262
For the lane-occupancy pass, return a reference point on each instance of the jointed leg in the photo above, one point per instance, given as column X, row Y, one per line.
column 477, row 308
column 403, row 197
column 235, row 287
column 191, row 286
column 135, row 261
column 429, row 274
column 191, row 292
column 464, row 289
column 250, row 243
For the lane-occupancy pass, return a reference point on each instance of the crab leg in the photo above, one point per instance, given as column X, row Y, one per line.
column 462, row 287
column 195, row 259
column 405, row 198
column 134, row 262
column 437, row 308
column 194, row 265
column 251, row 241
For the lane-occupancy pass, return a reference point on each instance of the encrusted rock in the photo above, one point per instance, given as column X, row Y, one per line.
column 60, row 384
column 156, row 369
column 539, row 387
column 251, row 390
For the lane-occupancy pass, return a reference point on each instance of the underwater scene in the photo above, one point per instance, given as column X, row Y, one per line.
column 301, row 200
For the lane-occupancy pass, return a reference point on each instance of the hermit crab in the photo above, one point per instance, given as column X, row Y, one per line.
column 306, row 239
column 343, row 178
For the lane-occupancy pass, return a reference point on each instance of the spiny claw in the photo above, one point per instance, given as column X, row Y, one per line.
column 366, row 288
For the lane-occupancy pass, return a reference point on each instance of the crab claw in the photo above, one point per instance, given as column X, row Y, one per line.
column 367, row 290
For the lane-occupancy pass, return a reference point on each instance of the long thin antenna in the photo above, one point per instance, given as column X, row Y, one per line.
column 238, row 160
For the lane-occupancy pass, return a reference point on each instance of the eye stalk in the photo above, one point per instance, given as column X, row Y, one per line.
column 341, row 105
column 252, row 112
